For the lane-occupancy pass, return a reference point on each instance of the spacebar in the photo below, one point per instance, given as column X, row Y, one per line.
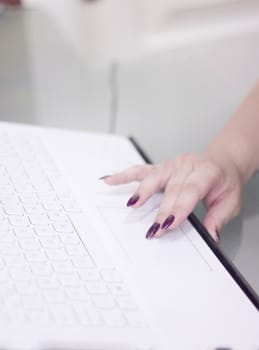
column 91, row 241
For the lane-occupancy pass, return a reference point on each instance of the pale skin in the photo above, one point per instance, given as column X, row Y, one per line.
column 217, row 176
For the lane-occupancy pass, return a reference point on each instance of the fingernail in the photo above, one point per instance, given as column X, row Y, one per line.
column 168, row 222
column 133, row 200
column 104, row 177
column 152, row 230
column 217, row 234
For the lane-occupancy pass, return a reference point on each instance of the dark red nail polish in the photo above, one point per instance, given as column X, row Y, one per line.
column 152, row 230
column 104, row 177
column 133, row 200
column 168, row 222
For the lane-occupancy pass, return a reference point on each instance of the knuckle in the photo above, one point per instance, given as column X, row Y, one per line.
column 236, row 210
column 189, row 156
column 141, row 170
column 192, row 190
column 161, row 216
column 166, row 164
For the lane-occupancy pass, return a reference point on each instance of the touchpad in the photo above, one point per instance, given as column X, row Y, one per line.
column 129, row 225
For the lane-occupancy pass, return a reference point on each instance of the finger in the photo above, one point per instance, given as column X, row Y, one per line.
column 220, row 213
column 165, row 218
column 179, row 202
column 183, row 206
column 152, row 183
column 134, row 173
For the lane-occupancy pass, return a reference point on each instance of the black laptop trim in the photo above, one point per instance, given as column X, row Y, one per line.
column 229, row 266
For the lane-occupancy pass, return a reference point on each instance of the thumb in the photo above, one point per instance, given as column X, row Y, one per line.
column 219, row 213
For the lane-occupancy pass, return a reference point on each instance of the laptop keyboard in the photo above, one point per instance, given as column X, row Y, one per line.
column 47, row 274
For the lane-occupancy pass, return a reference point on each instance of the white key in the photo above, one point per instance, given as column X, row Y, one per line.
column 20, row 178
column 63, row 227
column 32, row 301
column 87, row 315
column 35, row 256
column 104, row 301
column 50, row 243
column 29, row 244
column 48, row 195
column 25, row 189
column 113, row 318
column 7, row 287
column 3, row 276
column 15, row 261
column 48, row 282
column 77, row 294
column 64, row 194
column 6, row 196
column 39, row 219
column 44, row 190
column 11, row 202
column 29, row 199
column 63, row 315
column 5, row 246
column 40, row 316
column 26, row 288
column 89, row 275
column 20, row 221
column 70, row 280
column 18, row 316
column 76, row 250
column 45, row 231
column 33, row 209
column 9, row 249
column 5, row 180
column 71, row 206
column 1, row 264
column 63, row 267
column 5, row 226
column 51, row 205
column 4, row 318
column 110, row 275
column 14, row 210
column 55, row 296
column 24, row 232
column 57, row 255
column 96, row 288
column 135, row 319
column 118, row 289
column 57, row 216
column 42, row 186
column 69, row 239
column 6, row 236
column 82, row 261
column 41, row 269
column 2, row 214
column 12, row 301
column 20, row 275
column 126, row 302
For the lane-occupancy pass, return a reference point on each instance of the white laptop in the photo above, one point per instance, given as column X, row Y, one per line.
column 76, row 271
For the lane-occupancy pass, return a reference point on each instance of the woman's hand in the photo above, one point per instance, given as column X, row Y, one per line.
column 185, row 181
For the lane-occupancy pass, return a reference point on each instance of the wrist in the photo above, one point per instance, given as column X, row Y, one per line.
column 232, row 159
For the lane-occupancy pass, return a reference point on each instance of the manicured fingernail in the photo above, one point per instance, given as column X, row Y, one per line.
column 152, row 230
column 133, row 200
column 168, row 222
column 217, row 234
column 104, row 177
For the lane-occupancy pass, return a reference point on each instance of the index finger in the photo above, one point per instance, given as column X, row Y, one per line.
column 134, row 173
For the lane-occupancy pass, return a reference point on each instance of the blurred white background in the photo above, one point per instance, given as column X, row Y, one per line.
column 128, row 28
